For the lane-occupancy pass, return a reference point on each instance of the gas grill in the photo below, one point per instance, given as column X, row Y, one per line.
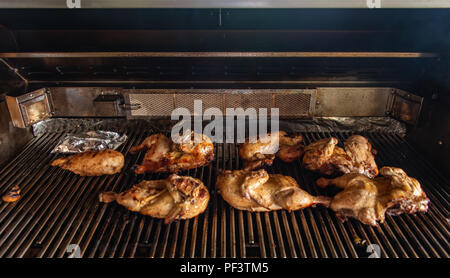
column 326, row 79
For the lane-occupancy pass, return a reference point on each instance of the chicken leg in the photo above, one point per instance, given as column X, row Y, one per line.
column 368, row 200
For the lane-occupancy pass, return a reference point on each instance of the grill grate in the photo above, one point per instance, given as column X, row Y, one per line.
column 58, row 209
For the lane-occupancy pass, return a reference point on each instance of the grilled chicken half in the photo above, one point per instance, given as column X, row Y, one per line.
column 259, row 191
column 177, row 197
column 263, row 151
column 325, row 157
column 368, row 200
column 92, row 163
column 163, row 155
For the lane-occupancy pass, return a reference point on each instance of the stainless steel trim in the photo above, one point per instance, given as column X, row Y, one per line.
column 352, row 101
column 405, row 106
column 80, row 101
column 18, row 108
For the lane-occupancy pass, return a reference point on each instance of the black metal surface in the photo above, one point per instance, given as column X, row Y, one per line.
column 58, row 209
column 226, row 69
column 224, row 29
column 12, row 139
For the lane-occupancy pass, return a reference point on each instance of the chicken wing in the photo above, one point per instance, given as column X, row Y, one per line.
column 164, row 155
column 92, row 163
column 369, row 199
column 325, row 157
column 263, row 151
column 259, row 191
column 177, row 197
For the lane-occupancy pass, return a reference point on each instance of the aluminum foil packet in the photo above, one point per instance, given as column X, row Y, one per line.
column 90, row 141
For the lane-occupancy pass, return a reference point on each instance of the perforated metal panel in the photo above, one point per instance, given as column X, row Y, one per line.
column 297, row 104
column 154, row 105
column 248, row 100
column 161, row 102
column 186, row 100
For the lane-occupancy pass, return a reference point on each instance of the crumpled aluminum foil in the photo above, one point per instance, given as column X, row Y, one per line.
column 345, row 124
column 90, row 141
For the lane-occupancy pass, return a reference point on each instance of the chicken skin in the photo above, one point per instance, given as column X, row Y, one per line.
column 258, row 191
column 369, row 199
column 92, row 163
column 325, row 157
column 322, row 155
column 177, row 197
column 263, row 151
column 164, row 155
column 12, row 195
column 360, row 151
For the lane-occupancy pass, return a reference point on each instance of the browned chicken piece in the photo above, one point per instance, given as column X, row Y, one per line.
column 321, row 155
column 164, row 155
column 177, row 197
column 369, row 199
column 258, row 191
column 92, row 163
column 360, row 151
column 12, row 195
column 325, row 157
column 263, row 151
column 290, row 148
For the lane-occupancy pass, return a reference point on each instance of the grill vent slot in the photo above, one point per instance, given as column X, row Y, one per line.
column 245, row 101
column 208, row 101
column 158, row 105
column 161, row 102
column 294, row 105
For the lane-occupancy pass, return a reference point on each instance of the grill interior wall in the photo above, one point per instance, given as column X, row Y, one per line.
column 58, row 209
